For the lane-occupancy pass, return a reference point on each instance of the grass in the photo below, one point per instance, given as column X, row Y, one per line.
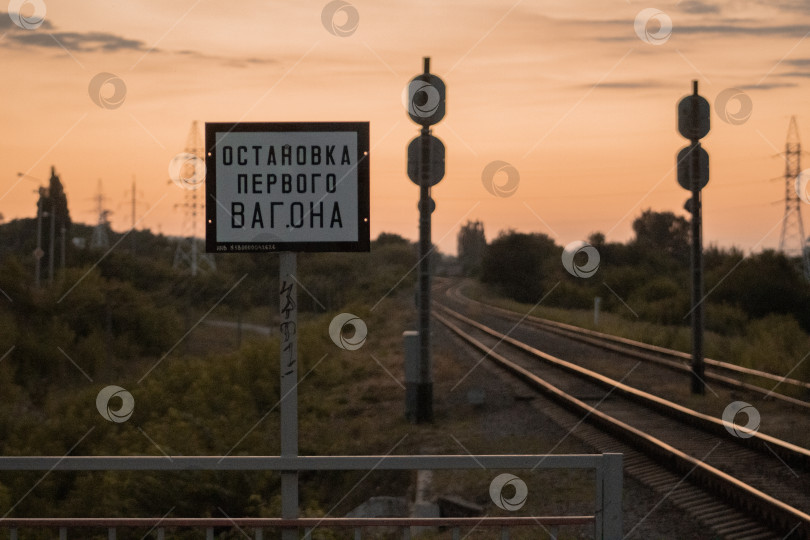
column 352, row 403
column 210, row 391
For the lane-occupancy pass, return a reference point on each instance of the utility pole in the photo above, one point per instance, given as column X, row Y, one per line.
column 38, row 253
column 187, row 252
column 134, row 200
column 52, row 243
column 62, row 261
column 792, row 240
column 100, row 239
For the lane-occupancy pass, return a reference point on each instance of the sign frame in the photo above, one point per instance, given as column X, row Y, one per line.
column 363, row 225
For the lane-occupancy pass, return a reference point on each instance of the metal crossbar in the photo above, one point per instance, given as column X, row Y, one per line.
column 607, row 518
column 159, row 525
column 302, row 463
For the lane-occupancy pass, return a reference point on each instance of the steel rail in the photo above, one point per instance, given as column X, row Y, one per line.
column 770, row 510
column 789, row 452
column 670, row 358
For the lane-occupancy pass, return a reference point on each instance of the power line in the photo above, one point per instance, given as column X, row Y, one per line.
column 792, row 240
column 188, row 252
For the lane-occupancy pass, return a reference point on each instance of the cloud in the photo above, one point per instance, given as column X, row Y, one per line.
column 228, row 61
column 792, row 30
column 82, row 42
column 801, row 68
column 698, row 7
column 769, row 86
column 798, row 62
column 789, row 6
column 6, row 24
column 46, row 37
column 627, row 85
column 651, row 84
column 803, row 74
column 725, row 27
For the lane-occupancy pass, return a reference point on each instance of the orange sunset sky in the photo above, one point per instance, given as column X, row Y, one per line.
column 578, row 96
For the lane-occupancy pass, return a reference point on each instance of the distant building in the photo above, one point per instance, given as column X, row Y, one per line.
column 471, row 245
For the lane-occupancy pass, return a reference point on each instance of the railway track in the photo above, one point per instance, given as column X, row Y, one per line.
column 724, row 373
column 754, row 487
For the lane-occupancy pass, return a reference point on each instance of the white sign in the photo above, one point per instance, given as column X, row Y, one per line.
column 287, row 187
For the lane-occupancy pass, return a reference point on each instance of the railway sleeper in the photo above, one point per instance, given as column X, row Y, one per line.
column 712, row 511
column 733, row 530
column 759, row 534
column 778, row 516
column 688, row 497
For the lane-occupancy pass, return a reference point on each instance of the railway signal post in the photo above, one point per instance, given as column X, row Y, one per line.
column 693, row 175
column 426, row 98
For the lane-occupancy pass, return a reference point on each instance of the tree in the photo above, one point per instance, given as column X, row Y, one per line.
column 471, row 245
column 385, row 238
column 518, row 263
column 56, row 201
column 596, row 239
column 662, row 232
column 763, row 284
column 55, row 215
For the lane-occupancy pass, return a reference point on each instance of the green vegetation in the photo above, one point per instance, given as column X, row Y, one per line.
column 755, row 308
column 128, row 318
column 134, row 321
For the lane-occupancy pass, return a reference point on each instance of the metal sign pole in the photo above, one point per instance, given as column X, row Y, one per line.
column 288, row 321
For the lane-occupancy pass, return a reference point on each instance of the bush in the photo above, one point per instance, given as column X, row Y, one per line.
column 725, row 319
column 571, row 295
column 776, row 343
column 660, row 300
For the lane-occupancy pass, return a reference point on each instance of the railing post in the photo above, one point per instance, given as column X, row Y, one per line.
column 209, row 533
column 111, row 533
column 13, row 533
column 259, row 534
column 598, row 525
column 161, row 534
column 612, row 498
column 62, row 533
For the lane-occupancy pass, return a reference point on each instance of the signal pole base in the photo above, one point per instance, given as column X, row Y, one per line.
column 698, row 384
column 422, row 394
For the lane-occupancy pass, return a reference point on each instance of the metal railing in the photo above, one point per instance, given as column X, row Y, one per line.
column 606, row 520
column 159, row 526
